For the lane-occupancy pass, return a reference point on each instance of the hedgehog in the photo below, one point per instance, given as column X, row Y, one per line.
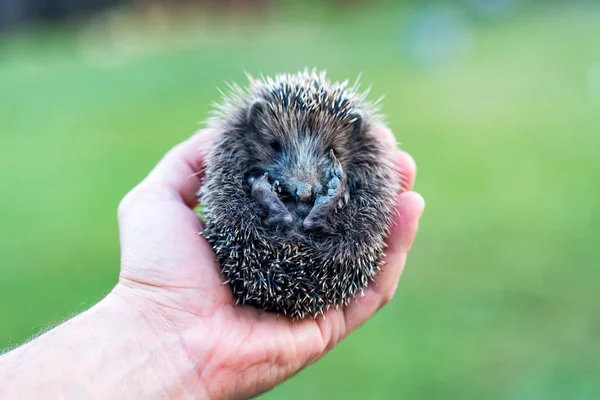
column 298, row 193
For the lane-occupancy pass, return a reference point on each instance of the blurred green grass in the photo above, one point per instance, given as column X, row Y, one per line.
column 501, row 295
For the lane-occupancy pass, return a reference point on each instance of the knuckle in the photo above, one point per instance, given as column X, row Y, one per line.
column 387, row 296
column 124, row 205
column 129, row 200
column 174, row 152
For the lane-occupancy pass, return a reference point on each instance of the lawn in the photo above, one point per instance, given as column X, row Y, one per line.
column 501, row 296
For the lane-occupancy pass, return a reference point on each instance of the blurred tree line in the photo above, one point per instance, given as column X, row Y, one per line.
column 15, row 13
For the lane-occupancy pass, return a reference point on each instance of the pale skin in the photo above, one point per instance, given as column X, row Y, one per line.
column 170, row 329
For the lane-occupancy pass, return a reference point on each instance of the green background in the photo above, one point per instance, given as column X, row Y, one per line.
column 501, row 296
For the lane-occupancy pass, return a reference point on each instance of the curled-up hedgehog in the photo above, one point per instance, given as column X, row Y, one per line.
column 298, row 193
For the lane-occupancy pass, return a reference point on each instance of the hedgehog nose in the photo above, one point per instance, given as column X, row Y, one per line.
column 303, row 192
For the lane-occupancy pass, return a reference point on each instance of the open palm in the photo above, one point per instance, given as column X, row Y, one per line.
column 237, row 351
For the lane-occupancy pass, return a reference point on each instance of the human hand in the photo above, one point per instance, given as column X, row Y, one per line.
column 169, row 273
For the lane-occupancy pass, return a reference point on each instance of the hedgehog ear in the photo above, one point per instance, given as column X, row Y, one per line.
column 255, row 110
column 357, row 122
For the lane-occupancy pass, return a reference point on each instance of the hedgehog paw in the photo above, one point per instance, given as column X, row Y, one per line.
column 335, row 179
column 315, row 221
column 337, row 187
column 336, row 196
column 266, row 195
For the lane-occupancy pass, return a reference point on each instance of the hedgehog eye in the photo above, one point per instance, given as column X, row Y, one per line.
column 275, row 146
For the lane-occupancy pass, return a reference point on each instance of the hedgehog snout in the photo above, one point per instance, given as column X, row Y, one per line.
column 304, row 192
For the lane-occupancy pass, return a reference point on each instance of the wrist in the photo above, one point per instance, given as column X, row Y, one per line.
column 199, row 349
column 160, row 335
column 120, row 347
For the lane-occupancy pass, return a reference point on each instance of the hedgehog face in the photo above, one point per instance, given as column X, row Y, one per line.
column 302, row 168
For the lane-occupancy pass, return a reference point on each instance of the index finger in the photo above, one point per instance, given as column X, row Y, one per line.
column 179, row 174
